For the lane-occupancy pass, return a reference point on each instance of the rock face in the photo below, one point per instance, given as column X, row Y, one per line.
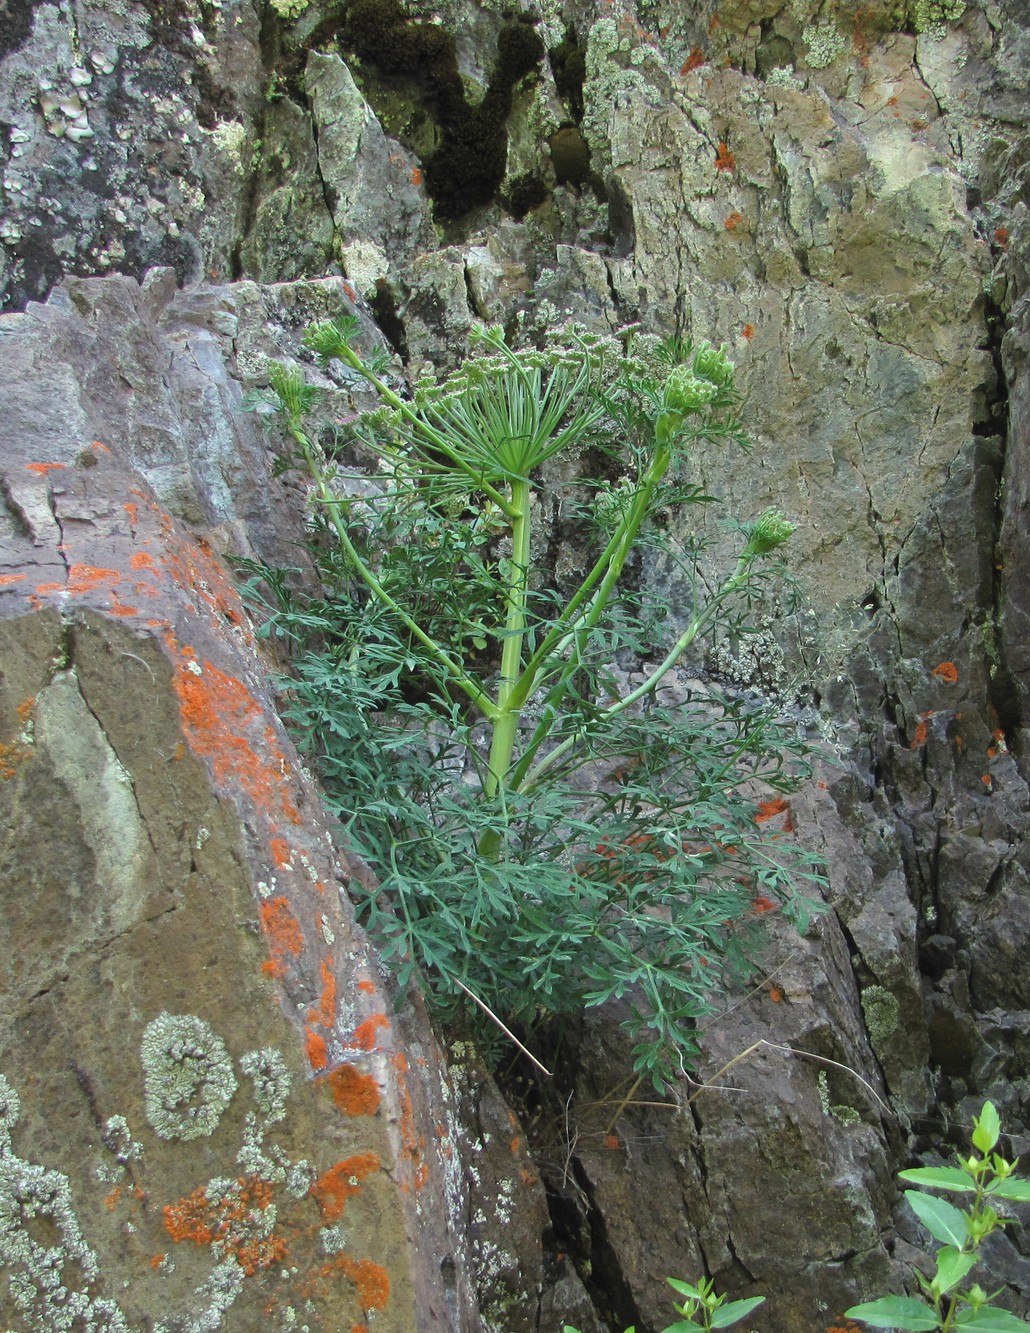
column 213, row 1116
column 840, row 197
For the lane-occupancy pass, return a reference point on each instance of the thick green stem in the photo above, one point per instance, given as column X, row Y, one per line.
column 453, row 670
column 506, row 722
column 528, row 774
column 573, row 624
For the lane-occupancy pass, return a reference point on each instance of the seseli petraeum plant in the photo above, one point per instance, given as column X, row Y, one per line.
column 946, row 1303
column 550, row 830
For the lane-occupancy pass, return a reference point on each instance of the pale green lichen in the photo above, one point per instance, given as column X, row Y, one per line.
column 823, row 43
column 882, row 1012
column 187, row 1074
column 783, row 76
column 290, row 9
column 931, row 17
column 231, row 137
column 272, row 1082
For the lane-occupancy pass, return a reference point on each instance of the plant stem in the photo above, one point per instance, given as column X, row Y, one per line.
column 505, row 724
column 528, row 774
column 435, row 438
column 453, row 670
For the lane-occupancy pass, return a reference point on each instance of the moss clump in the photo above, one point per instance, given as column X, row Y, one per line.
column 468, row 167
column 525, row 194
column 882, row 1012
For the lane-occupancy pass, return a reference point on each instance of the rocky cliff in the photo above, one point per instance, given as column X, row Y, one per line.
column 217, row 1113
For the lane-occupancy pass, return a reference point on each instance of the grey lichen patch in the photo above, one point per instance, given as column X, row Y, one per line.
column 881, row 1012
column 188, row 1076
column 823, row 44
column 48, row 1263
column 273, row 1082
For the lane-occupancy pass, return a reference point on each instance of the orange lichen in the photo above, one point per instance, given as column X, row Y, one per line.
column 283, row 932
column 763, row 904
column 334, row 1187
column 314, row 1042
column 325, row 1012
column 947, row 672
column 6, row 579
column 41, row 469
column 412, row 1142
column 724, row 159
column 364, row 1038
column 415, row 178
column 733, row 221
column 11, row 756
column 515, row 1144
column 696, row 58
column 353, row 1092
column 281, row 854
column 372, row 1281
column 219, row 715
column 612, row 1141
column 919, row 737
column 157, row 1260
column 770, row 809
column 1001, row 235
column 367, row 986
column 775, row 994
column 748, row 331
column 141, row 560
column 227, row 1223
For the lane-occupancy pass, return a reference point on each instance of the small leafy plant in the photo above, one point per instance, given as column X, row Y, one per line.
column 548, row 831
column 702, row 1304
column 944, row 1304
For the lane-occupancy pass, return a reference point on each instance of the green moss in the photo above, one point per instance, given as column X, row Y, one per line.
column 467, row 168
column 881, row 1012
column 569, row 67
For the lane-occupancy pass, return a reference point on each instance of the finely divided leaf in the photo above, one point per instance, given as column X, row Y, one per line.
column 903, row 1313
column 943, row 1221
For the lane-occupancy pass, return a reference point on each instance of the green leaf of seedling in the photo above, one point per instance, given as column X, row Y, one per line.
column 986, row 1128
column 684, row 1326
column 685, row 1289
column 990, row 1320
column 942, row 1219
column 939, row 1177
column 952, row 1266
column 1016, row 1190
column 734, row 1310
column 903, row 1313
